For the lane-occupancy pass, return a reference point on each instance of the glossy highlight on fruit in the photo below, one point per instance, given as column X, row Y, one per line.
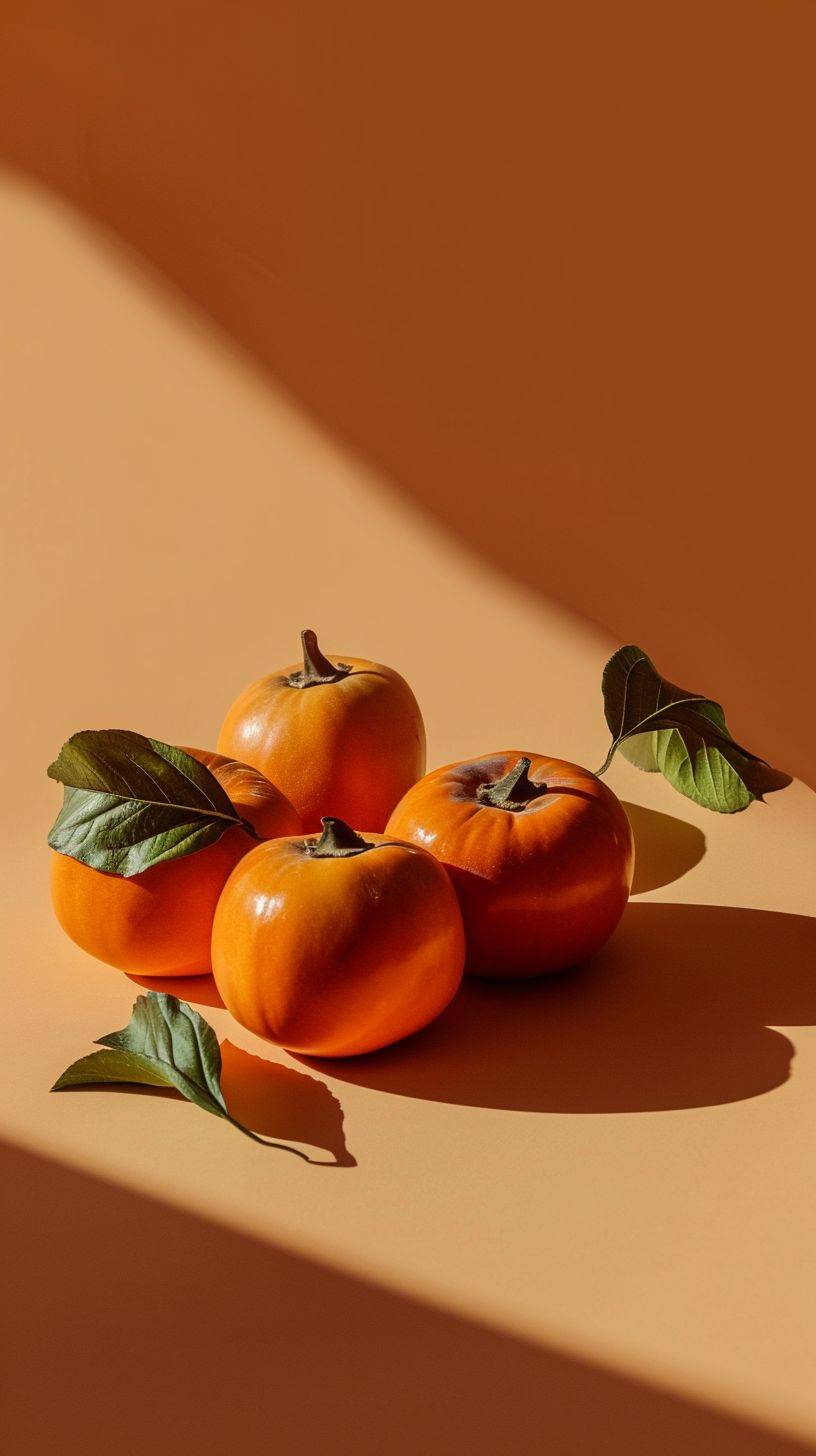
column 341, row 737
column 159, row 922
column 338, row 945
column 540, row 853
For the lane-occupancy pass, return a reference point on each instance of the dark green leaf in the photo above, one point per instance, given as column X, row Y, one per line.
column 133, row 802
column 166, row 1043
column 683, row 735
column 170, row 1037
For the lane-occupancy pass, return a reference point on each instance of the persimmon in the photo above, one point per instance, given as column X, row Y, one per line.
column 159, row 922
column 337, row 945
column 340, row 738
column 540, row 853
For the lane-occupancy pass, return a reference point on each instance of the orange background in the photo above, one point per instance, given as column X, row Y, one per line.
column 443, row 329
column 548, row 266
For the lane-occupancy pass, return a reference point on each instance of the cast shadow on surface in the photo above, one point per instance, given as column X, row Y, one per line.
column 197, row 990
column 277, row 1102
column 178, row 1335
column 675, row 1012
column 666, row 847
column 273, row 1101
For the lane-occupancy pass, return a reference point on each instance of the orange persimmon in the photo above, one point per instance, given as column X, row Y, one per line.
column 342, row 738
column 159, row 922
column 540, row 853
column 337, row 945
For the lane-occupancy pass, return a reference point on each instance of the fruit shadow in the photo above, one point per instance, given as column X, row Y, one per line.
column 676, row 1012
column 196, row 990
column 666, row 847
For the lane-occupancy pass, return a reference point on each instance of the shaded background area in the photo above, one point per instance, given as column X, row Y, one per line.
column 211, row 1342
column 548, row 265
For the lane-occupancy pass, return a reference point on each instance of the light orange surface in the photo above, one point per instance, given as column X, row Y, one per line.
column 592, row 1199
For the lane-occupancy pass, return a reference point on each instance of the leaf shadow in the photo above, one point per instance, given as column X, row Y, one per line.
column 268, row 1098
column 666, row 847
column 278, row 1102
column 676, row 1012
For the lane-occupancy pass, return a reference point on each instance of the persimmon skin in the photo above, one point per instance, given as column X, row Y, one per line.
column 159, row 923
column 336, row 957
column 541, row 888
column 349, row 748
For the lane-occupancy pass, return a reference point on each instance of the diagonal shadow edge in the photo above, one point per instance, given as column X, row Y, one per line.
column 185, row 1335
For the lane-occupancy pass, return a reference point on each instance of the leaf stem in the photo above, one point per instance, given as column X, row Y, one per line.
column 613, row 747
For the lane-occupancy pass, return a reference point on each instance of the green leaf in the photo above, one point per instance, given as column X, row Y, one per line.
column 166, row 1043
column 662, row 728
column 175, row 1041
column 110, row 1066
column 133, row 802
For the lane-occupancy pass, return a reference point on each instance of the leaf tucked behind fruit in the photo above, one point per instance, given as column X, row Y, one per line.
column 133, row 802
column 165, row 1044
column 683, row 735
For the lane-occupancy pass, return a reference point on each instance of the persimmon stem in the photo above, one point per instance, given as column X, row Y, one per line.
column 338, row 841
column 514, row 791
column 316, row 666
